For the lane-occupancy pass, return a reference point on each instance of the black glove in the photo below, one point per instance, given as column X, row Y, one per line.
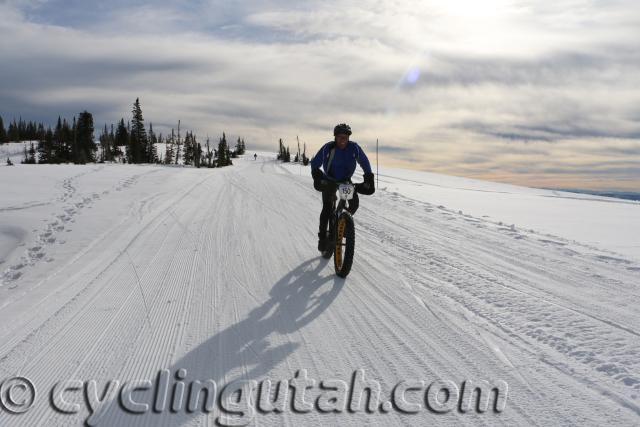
column 317, row 179
column 367, row 187
column 316, row 174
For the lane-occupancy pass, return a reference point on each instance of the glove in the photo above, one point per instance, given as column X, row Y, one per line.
column 317, row 179
column 367, row 187
column 316, row 174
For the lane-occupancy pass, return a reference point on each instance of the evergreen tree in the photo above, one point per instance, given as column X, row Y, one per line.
column 121, row 138
column 240, row 146
column 85, row 147
column 209, row 154
column 115, row 150
column 3, row 133
column 138, row 146
column 168, row 156
column 281, row 150
column 178, row 144
column 198, row 153
column 14, row 132
column 188, row 149
column 152, row 152
column 58, row 143
column 46, row 148
column 67, row 138
column 74, row 142
column 107, row 145
column 32, row 154
column 29, row 154
column 223, row 152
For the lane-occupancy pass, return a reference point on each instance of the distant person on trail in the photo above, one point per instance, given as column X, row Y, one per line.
column 255, row 156
column 338, row 159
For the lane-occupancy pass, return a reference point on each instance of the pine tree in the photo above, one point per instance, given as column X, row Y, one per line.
column 85, row 146
column 209, row 154
column 58, row 143
column 198, row 153
column 13, row 132
column 115, row 150
column 29, row 154
column 32, row 154
column 281, row 151
column 3, row 132
column 139, row 141
column 74, row 141
column 178, row 144
column 107, row 144
column 121, row 138
column 305, row 159
column 240, row 146
column 152, row 152
column 66, row 139
column 168, row 156
column 46, row 148
column 188, row 149
column 223, row 152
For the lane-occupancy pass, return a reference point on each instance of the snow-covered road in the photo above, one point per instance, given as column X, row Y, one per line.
column 216, row 272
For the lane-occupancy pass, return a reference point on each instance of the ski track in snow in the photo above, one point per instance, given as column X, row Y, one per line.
column 221, row 278
column 71, row 204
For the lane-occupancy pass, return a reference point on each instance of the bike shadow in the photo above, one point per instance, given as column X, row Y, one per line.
column 246, row 350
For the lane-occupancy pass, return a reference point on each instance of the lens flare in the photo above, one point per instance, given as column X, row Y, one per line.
column 412, row 75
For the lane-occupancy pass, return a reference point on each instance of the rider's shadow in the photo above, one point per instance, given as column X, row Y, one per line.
column 245, row 350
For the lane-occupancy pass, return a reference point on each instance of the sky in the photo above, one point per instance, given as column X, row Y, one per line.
column 536, row 93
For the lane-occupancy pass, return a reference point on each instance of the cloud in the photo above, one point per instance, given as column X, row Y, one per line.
column 460, row 87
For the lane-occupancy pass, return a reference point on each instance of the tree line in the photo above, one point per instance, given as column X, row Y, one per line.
column 284, row 153
column 130, row 142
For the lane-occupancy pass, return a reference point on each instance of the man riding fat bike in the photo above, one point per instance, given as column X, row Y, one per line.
column 338, row 158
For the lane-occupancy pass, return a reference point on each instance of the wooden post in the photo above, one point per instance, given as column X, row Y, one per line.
column 377, row 173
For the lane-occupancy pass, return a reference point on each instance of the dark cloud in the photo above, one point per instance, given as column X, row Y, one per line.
column 564, row 68
column 393, row 149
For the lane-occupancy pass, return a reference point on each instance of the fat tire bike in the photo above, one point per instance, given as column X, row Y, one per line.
column 342, row 234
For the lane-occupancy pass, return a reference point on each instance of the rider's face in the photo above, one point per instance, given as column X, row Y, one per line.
column 342, row 140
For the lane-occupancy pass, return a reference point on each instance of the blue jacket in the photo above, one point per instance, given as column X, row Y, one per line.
column 344, row 161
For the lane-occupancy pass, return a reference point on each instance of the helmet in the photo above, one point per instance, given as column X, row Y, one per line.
column 342, row 128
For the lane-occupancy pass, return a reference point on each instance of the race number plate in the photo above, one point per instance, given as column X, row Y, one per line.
column 346, row 191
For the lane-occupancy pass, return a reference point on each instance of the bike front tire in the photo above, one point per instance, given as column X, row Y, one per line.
column 344, row 247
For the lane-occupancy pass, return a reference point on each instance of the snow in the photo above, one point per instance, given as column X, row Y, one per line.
column 604, row 223
column 116, row 272
column 14, row 151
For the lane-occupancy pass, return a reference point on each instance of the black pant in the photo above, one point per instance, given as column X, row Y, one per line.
column 327, row 201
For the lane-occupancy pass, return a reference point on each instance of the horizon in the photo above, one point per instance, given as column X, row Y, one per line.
column 505, row 91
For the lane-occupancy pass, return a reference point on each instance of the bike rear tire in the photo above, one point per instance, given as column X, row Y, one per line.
column 328, row 252
column 345, row 236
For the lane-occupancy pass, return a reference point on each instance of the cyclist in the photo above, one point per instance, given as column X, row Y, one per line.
column 338, row 158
